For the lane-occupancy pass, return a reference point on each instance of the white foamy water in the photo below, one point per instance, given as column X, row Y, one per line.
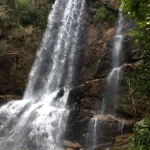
column 92, row 134
column 103, row 106
column 120, row 127
column 113, row 77
column 108, row 104
column 118, row 39
column 38, row 121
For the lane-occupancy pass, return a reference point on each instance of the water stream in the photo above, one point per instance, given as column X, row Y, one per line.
column 113, row 77
column 38, row 121
column 108, row 104
column 92, row 134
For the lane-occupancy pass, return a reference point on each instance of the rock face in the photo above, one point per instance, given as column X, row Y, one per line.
column 71, row 144
column 121, row 142
column 18, row 50
column 19, row 43
column 98, row 35
column 81, row 133
column 96, row 66
column 79, row 128
column 6, row 98
column 109, row 127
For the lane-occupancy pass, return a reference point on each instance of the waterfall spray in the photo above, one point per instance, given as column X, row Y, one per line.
column 113, row 77
column 38, row 121
column 92, row 135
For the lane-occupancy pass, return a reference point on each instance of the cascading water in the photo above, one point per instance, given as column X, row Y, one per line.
column 120, row 127
column 108, row 103
column 113, row 77
column 92, row 135
column 118, row 39
column 38, row 121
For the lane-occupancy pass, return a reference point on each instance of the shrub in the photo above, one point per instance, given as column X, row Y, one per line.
column 141, row 141
column 106, row 14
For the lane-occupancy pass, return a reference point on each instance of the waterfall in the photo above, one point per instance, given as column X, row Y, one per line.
column 113, row 77
column 118, row 39
column 103, row 106
column 92, row 135
column 120, row 127
column 38, row 121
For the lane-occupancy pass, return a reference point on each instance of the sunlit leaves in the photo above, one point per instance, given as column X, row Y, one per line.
column 139, row 79
column 21, row 5
column 142, row 135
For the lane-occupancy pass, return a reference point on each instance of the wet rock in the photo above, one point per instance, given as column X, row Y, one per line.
column 77, row 126
column 136, row 56
column 126, row 50
column 68, row 148
column 71, row 144
column 96, row 89
column 105, row 64
column 98, row 35
column 91, row 103
column 121, row 142
column 10, row 97
column 6, row 98
column 115, row 4
column 77, row 92
column 109, row 127
column 59, row 95
column 99, row 148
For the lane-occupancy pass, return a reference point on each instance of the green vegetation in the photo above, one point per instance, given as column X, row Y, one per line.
column 24, row 13
column 106, row 14
column 139, row 80
column 138, row 98
column 141, row 141
column 21, row 26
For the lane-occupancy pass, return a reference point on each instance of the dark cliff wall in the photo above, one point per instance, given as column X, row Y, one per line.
column 92, row 81
column 19, row 42
column 96, row 47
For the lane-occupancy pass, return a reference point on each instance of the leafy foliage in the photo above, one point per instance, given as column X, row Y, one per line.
column 21, row 5
column 141, row 141
column 105, row 14
column 21, row 12
column 138, row 81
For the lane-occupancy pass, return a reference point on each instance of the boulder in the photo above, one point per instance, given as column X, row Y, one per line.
column 7, row 98
column 77, row 126
column 77, row 92
column 98, row 148
column 91, row 103
column 96, row 89
column 68, row 148
column 71, row 144
column 108, row 127
column 105, row 64
column 121, row 142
